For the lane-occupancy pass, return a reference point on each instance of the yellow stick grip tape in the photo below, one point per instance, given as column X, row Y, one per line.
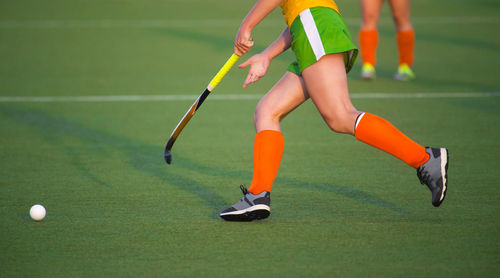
column 218, row 77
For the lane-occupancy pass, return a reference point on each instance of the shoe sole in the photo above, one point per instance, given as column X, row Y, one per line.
column 367, row 77
column 444, row 174
column 403, row 79
column 256, row 212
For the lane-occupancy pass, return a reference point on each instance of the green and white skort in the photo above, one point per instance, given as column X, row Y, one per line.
column 319, row 31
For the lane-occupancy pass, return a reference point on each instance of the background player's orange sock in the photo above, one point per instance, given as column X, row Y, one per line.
column 368, row 40
column 406, row 46
column 382, row 135
column 267, row 153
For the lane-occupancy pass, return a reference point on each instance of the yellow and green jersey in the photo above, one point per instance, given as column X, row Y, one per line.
column 292, row 8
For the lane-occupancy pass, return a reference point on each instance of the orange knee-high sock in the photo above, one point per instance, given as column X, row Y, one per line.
column 406, row 46
column 368, row 40
column 382, row 135
column 267, row 153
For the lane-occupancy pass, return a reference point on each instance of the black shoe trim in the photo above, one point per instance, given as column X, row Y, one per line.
column 248, row 201
column 436, row 152
column 247, row 216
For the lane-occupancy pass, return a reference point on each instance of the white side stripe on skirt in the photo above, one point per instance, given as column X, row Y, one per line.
column 312, row 33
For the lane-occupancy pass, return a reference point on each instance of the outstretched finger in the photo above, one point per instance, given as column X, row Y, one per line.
column 244, row 64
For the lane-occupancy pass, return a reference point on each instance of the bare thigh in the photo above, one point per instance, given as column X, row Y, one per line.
column 401, row 14
column 286, row 95
column 370, row 10
column 326, row 83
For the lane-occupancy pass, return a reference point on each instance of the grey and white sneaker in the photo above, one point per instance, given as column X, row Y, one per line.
column 434, row 174
column 250, row 207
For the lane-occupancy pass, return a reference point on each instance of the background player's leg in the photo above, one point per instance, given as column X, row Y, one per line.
column 405, row 38
column 368, row 36
column 401, row 14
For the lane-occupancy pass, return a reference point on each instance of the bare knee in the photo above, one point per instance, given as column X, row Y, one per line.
column 402, row 23
column 370, row 21
column 401, row 18
column 342, row 122
column 339, row 126
column 266, row 117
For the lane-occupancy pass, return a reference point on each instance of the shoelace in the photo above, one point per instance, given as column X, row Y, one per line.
column 244, row 189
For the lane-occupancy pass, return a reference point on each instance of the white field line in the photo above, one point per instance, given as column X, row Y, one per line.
column 191, row 23
column 233, row 97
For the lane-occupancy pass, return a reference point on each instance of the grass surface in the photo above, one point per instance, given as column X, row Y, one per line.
column 340, row 208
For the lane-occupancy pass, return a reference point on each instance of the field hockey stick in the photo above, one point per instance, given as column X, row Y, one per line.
column 190, row 113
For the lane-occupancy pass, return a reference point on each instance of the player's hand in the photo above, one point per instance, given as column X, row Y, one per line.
column 259, row 64
column 243, row 42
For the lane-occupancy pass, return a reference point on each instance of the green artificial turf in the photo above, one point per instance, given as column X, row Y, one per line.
column 339, row 207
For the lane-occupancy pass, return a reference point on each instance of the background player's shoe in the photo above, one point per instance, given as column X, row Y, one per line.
column 250, row 207
column 367, row 72
column 434, row 174
column 404, row 73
